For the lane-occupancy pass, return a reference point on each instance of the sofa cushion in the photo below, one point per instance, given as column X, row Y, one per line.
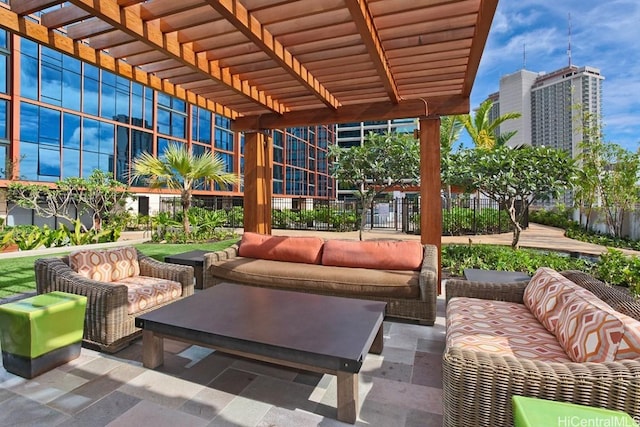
column 105, row 265
column 333, row 280
column 588, row 333
column 377, row 254
column 147, row 292
column 501, row 328
column 281, row 248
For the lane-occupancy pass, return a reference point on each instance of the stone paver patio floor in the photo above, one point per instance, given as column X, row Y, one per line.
column 200, row 387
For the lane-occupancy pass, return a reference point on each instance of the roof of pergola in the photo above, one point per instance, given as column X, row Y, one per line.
column 278, row 63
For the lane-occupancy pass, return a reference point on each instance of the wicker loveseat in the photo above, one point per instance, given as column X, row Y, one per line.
column 479, row 379
column 402, row 273
column 119, row 284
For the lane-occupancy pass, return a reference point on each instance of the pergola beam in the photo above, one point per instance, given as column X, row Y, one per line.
column 364, row 23
column 485, row 17
column 25, row 7
column 10, row 21
column 128, row 22
column 63, row 16
column 234, row 12
column 433, row 106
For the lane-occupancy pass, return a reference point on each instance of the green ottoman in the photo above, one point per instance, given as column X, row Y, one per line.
column 42, row 332
column 531, row 412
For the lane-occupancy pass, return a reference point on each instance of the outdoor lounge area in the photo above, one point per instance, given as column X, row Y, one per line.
column 265, row 339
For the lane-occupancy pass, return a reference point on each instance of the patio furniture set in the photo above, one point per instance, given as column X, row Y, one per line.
column 561, row 337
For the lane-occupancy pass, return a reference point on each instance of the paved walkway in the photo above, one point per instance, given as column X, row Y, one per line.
column 536, row 236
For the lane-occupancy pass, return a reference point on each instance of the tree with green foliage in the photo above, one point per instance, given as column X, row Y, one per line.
column 450, row 128
column 178, row 168
column 510, row 175
column 619, row 186
column 590, row 167
column 99, row 194
column 482, row 130
column 608, row 176
column 381, row 163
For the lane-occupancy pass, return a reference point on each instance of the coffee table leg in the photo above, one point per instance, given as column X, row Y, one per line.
column 152, row 350
column 378, row 342
column 347, row 397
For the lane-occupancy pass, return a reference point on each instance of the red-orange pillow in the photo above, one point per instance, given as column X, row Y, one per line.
column 306, row 250
column 378, row 254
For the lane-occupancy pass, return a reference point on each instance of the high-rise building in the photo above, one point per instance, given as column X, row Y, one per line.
column 61, row 117
column 559, row 101
column 552, row 105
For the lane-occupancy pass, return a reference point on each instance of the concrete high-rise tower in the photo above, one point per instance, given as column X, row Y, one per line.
column 515, row 95
column 552, row 105
column 559, row 101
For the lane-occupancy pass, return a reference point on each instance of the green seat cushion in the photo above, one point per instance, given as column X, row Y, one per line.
column 531, row 412
column 35, row 326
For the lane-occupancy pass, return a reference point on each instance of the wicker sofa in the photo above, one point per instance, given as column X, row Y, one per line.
column 404, row 274
column 114, row 299
column 478, row 383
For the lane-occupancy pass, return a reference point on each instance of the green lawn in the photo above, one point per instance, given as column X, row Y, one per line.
column 18, row 275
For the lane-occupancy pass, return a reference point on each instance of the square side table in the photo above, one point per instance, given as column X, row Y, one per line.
column 42, row 332
column 193, row 258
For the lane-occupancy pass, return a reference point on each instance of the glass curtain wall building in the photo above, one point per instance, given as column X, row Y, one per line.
column 60, row 118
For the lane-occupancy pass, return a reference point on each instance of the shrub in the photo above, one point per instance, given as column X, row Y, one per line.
column 455, row 258
column 616, row 268
column 560, row 217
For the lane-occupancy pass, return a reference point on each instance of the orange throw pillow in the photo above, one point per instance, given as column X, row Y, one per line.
column 306, row 250
column 377, row 254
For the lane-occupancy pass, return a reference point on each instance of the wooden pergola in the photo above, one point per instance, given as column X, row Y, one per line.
column 270, row 64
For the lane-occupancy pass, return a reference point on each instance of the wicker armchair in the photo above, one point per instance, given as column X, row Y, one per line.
column 108, row 326
column 477, row 386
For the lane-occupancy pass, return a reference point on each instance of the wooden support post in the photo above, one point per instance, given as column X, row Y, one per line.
column 347, row 397
column 430, row 201
column 258, row 165
column 152, row 350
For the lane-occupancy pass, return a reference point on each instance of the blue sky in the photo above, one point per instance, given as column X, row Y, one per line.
column 605, row 35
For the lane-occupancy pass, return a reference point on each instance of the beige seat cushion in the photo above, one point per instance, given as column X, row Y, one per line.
column 500, row 328
column 147, row 292
column 338, row 280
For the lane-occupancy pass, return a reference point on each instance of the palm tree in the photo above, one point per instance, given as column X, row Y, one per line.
column 180, row 169
column 450, row 127
column 483, row 131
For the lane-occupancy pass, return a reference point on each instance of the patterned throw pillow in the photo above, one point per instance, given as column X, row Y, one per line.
column 91, row 264
column 124, row 262
column 629, row 347
column 106, row 266
column 546, row 294
column 588, row 333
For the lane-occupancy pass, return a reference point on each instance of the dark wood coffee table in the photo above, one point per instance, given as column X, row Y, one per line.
column 306, row 331
column 494, row 276
column 193, row 258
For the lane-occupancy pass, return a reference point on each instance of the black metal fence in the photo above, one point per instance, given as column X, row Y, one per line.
column 460, row 215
